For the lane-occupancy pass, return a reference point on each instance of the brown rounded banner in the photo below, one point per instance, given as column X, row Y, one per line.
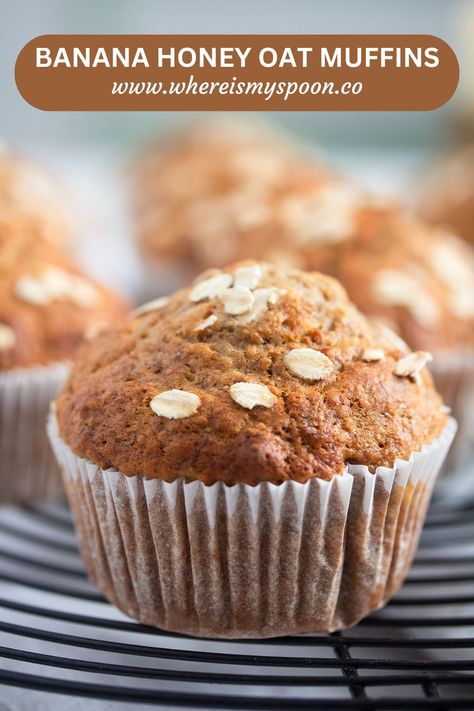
column 237, row 72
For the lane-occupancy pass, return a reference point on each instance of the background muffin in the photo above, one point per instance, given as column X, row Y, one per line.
column 225, row 191
column 272, row 381
column 47, row 308
column 419, row 280
column 447, row 196
column 23, row 239
column 29, row 196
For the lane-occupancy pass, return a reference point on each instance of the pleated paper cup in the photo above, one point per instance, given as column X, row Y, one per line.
column 242, row 561
column 28, row 469
column 454, row 378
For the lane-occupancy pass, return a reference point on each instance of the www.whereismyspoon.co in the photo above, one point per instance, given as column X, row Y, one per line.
column 266, row 89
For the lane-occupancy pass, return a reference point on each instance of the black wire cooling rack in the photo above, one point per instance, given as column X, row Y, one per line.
column 60, row 637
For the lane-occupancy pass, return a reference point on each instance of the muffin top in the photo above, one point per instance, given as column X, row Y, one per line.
column 29, row 197
column 447, row 195
column 47, row 307
column 417, row 278
column 220, row 193
column 255, row 373
column 22, row 240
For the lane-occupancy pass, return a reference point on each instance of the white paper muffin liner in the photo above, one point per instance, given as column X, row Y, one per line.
column 28, row 469
column 454, row 378
column 243, row 561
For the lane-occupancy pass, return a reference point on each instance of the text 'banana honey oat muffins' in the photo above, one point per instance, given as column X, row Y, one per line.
column 47, row 308
column 250, row 457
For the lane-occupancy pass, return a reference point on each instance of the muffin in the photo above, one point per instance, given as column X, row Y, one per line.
column 22, row 240
column 419, row 280
column 447, row 195
column 222, row 192
column 250, row 457
column 29, row 196
column 46, row 309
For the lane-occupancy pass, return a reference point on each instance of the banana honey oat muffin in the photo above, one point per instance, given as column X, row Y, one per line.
column 225, row 191
column 250, row 457
column 22, row 240
column 447, row 195
column 324, row 380
column 418, row 279
column 47, row 308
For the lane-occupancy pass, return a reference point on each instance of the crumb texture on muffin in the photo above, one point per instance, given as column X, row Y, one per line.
column 282, row 390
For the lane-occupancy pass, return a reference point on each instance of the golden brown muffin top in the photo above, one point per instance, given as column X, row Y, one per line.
column 419, row 279
column 447, row 195
column 47, row 307
column 253, row 374
column 29, row 197
column 222, row 192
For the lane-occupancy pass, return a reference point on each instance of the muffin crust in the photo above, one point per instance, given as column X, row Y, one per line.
column 248, row 410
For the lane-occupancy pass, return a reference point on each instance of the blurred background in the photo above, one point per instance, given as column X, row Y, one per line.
column 90, row 151
column 453, row 21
